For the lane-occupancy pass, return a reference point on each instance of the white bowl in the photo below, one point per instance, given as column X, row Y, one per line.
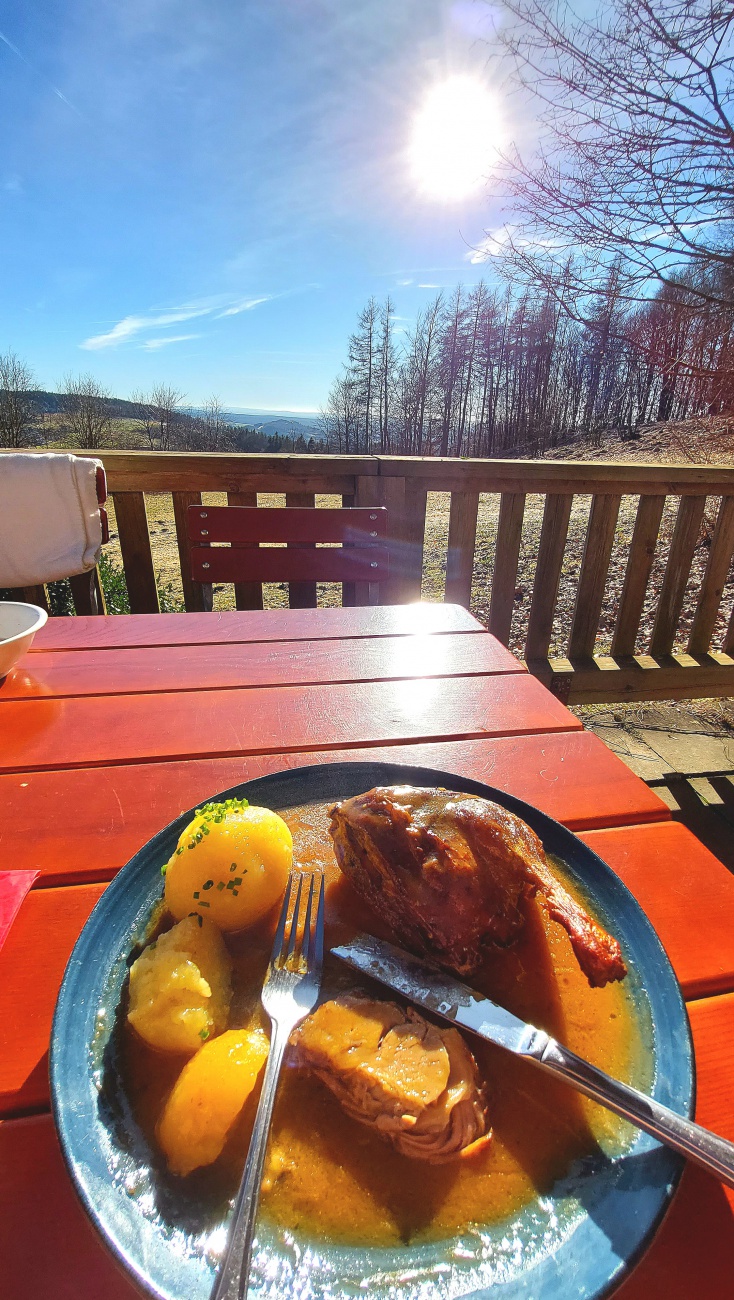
column 18, row 626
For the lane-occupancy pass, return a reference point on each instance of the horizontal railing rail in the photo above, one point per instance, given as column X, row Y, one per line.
column 644, row 659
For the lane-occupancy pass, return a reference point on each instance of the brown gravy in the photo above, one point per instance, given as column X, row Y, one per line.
column 329, row 1176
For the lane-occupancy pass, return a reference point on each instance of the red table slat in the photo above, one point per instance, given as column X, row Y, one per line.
column 687, row 894
column 261, row 663
column 570, row 775
column 112, row 631
column 32, row 964
column 104, row 729
column 693, row 1253
column 47, row 1245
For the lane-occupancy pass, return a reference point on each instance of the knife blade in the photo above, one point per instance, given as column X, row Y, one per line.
column 443, row 995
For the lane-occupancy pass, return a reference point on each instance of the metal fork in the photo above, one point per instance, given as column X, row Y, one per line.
column 290, row 991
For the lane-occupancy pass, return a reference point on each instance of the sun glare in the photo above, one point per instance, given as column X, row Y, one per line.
column 456, row 135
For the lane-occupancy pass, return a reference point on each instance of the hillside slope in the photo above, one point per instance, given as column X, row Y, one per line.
column 704, row 440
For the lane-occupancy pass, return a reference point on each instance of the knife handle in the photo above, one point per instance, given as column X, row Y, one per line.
column 713, row 1153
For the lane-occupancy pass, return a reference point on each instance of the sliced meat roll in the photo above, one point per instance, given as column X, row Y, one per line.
column 415, row 1084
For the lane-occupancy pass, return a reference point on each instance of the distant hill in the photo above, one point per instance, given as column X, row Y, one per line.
column 284, row 423
column 287, row 427
column 53, row 404
column 270, row 423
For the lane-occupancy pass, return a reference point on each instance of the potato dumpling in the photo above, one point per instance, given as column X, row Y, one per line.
column 180, row 987
column 208, row 1096
column 231, row 864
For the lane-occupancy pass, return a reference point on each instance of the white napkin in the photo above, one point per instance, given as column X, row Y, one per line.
column 50, row 525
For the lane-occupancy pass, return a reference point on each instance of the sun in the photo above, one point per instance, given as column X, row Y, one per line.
column 456, row 135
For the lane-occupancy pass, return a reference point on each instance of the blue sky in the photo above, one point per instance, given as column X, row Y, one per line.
column 206, row 192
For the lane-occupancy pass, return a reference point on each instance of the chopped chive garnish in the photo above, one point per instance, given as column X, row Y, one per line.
column 208, row 884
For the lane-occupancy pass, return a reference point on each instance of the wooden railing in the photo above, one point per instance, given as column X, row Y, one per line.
column 629, row 672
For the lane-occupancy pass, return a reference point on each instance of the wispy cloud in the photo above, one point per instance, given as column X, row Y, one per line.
column 152, row 345
column 246, row 304
column 131, row 326
column 403, row 272
column 496, row 241
column 18, row 53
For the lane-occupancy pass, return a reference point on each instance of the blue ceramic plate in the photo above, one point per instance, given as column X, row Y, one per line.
column 575, row 1243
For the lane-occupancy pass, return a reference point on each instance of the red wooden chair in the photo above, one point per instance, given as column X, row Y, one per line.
column 360, row 560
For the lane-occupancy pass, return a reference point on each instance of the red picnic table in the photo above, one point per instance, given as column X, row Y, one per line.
column 111, row 727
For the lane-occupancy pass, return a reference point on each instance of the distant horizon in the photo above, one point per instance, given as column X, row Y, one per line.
column 279, row 414
column 273, row 413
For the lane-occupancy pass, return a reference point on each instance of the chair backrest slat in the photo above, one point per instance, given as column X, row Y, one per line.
column 297, row 558
column 360, row 525
column 281, row 564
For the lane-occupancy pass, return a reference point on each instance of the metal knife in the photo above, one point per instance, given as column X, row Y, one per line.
column 443, row 995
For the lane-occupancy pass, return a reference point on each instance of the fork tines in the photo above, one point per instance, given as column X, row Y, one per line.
column 299, row 938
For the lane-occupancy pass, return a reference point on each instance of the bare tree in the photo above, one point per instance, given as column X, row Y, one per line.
column 145, row 417
column 165, row 408
column 385, row 372
column 216, row 426
column 87, row 410
column 16, row 404
column 363, row 366
column 419, row 380
column 340, row 418
column 485, row 374
column 637, row 146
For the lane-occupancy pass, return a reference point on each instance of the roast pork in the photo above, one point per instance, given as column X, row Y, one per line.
column 450, row 874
